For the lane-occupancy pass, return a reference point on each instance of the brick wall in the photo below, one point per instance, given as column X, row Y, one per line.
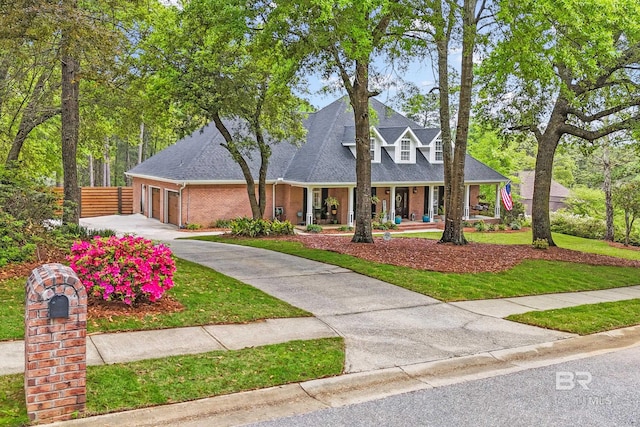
column 55, row 349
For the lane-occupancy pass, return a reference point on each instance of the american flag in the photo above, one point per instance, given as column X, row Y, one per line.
column 505, row 193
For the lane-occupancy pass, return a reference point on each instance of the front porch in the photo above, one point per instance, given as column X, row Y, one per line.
column 411, row 203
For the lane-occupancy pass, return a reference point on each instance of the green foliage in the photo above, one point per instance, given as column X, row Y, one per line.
column 221, row 223
column 540, row 244
column 250, row 227
column 382, row 225
column 26, row 199
column 193, row 226
column 626, row 197
column 314, row 228
column 585, row 201
column 16, row 244
column 480, row 226
column 345, row 228
column 502, row 226
column 331, row 202
column 491, row 227
column 79, row 232
column 516, row 225
column 577, row 225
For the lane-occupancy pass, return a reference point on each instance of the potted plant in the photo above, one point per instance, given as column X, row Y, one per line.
column 425, row 218
column 398, row 219
column 332, row 203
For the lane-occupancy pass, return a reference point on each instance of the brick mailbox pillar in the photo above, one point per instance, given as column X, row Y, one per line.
column 55, row 344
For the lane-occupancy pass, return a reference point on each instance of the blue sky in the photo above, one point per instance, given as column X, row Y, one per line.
column 419, row 72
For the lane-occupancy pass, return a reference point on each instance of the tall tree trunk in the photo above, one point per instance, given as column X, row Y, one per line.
column 70, row 125
column 455, row 211
column 547, row 145
column 244, row 166
column 92, row 182
column 606, row 166
column 359, row 98
column 443, row 36
column 141, row 145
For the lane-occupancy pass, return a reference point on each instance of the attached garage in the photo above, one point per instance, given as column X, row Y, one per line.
column 173, row 207
column 155, row 203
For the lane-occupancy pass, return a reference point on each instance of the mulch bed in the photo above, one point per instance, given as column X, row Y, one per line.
column 448, row 258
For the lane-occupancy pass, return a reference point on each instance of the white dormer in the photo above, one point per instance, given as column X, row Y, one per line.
column 404, row 148
column 435, row 153
column 375, row 144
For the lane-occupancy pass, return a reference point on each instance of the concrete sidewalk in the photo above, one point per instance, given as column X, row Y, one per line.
column 131, row 346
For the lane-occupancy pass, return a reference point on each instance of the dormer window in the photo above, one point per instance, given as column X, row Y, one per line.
column 405, row 149
column 372, row 147
column 438, row 149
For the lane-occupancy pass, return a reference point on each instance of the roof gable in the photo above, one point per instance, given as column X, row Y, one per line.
column 322, row 159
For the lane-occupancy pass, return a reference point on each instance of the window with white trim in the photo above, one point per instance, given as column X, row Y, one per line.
column 405, row 149
column 438, row 149
column 372, row 148
column 317, row 198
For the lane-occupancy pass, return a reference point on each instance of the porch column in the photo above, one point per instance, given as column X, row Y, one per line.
column 309, row 206
column 433, row 189
column 498, row 201
column 466, row 202
column 392, row 208
column 350, row 213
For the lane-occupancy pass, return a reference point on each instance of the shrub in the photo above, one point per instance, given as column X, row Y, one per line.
column 79, row 232
column 128, row 269
column 491, row 227
column 389, row 225
column 516, row 225
column 577, row 225
column 480, row 226
column 345, row 228
column 26, row 199
column 194, row 226
column 502, row 227
column 250, row 227
column 281, row 228
column 16, row 245
column 221, row 223
column 314, row 228
column 540, row 244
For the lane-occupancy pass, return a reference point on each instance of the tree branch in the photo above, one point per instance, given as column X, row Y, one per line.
column 592, row 135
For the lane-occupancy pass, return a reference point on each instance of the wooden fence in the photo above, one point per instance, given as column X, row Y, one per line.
column 98, row 201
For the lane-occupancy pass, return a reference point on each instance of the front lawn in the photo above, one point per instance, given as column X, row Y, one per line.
column 530, row 277
column 585, row 319
column 120, row 387
column 208, row 297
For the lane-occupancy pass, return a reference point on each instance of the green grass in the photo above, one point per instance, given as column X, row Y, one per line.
column 208, row 298
column 585, row 319
column 524, row 238
column 133, row 385
column 531, row 277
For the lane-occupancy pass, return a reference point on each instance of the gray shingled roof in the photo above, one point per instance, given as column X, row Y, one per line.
column 321, row 159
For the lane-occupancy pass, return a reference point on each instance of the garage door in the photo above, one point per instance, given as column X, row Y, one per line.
column 173, row 207
column 155, row 203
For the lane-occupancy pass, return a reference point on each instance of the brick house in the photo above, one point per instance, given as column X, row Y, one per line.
column 197, row 181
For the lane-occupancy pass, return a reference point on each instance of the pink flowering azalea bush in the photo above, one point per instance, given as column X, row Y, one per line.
column 128, row 269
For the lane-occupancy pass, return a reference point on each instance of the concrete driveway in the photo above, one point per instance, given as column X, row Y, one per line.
column 383, row 325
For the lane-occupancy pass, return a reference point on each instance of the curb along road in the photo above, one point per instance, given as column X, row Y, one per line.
column 292, row 399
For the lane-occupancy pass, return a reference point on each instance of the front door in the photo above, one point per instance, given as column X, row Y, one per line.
column 402, row 202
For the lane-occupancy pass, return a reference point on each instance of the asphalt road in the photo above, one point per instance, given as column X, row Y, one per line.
column 598, row 391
